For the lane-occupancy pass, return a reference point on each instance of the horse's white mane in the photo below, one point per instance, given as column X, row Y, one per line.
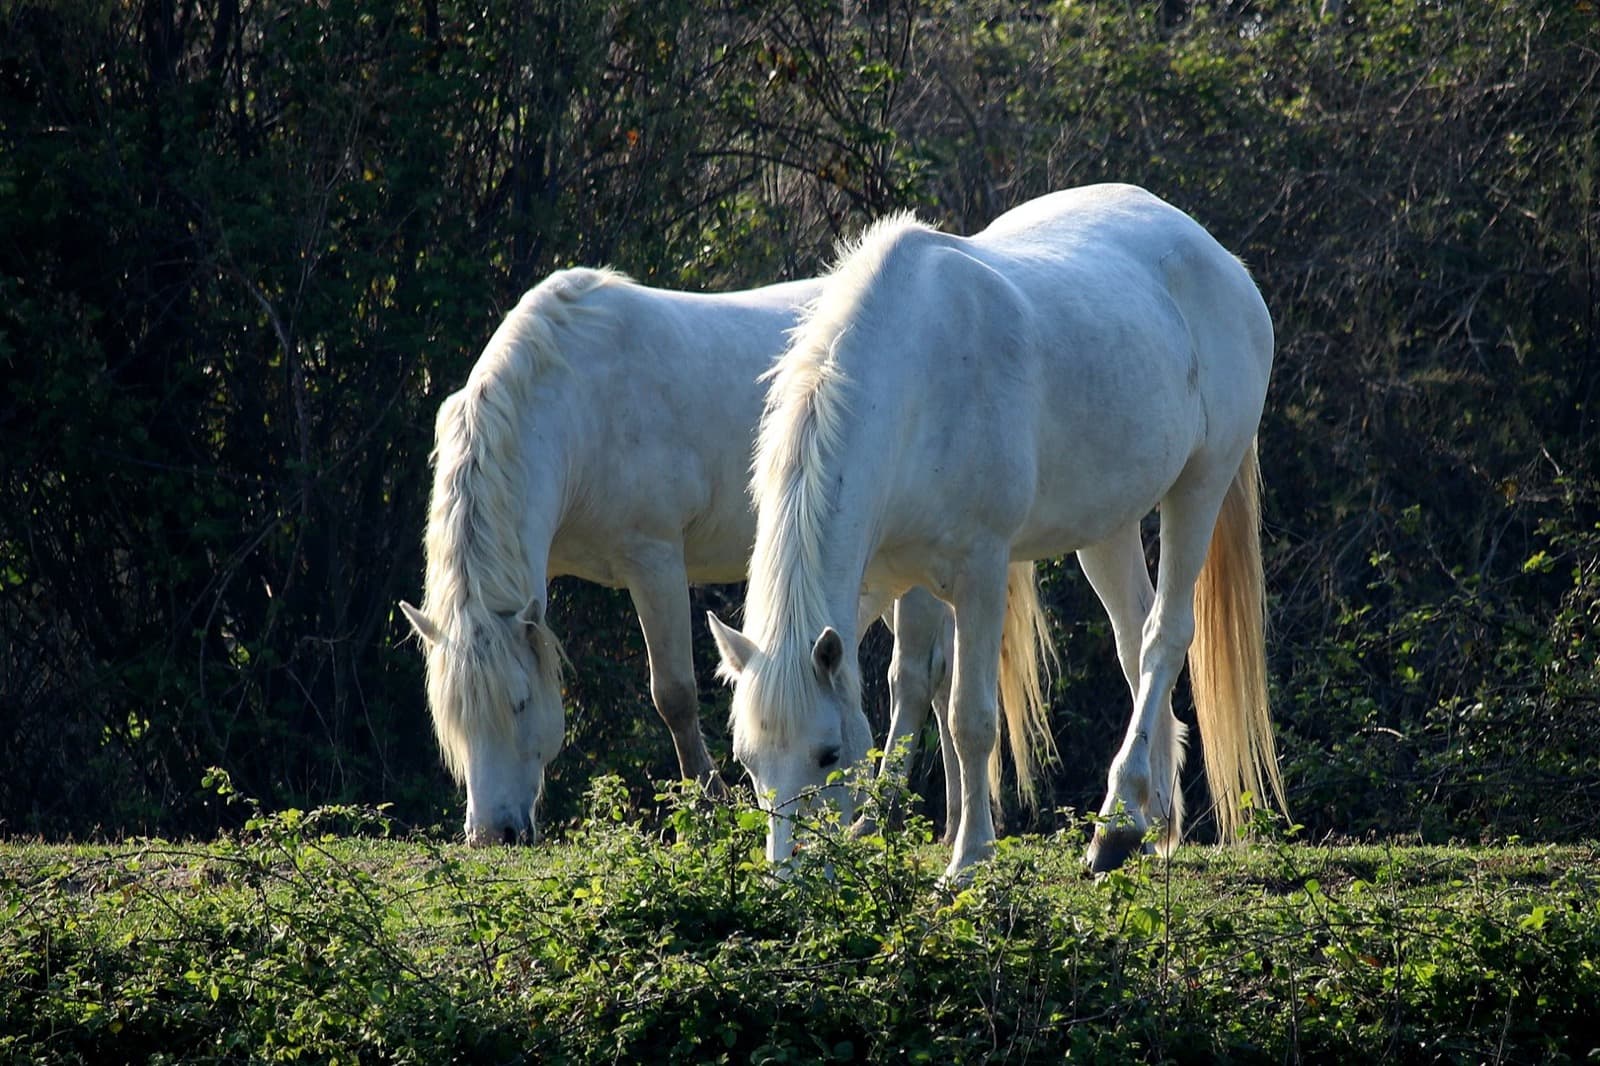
column 800, row 435
column 476, row 567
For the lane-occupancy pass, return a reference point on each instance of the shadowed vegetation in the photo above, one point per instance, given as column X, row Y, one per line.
column 245, row 249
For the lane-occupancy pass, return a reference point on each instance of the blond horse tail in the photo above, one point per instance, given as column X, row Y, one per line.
column 1228, row 659
column 1025, row 646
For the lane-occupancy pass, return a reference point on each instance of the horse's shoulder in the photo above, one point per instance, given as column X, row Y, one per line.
column 567, row 296
column 959, row 270
column 919, row 262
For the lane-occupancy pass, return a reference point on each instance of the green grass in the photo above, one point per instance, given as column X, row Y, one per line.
column 314, row 937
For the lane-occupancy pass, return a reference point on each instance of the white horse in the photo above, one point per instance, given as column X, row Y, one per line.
column 605, row 432
column 920, row 681
column 952, row 405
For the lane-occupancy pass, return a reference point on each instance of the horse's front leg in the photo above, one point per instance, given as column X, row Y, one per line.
column 979, row 597
column 947, row 751
column 920, row 623
column 659, row 586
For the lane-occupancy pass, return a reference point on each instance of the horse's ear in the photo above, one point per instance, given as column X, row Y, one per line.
column 532, row 615
column 421, row 624
column 827, row 654
column 737, row 650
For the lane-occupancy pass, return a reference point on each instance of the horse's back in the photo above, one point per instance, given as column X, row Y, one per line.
column 1112, row 229
column 666, row 401
column 1114, row 273
column 1093, row 219
column 1085, row 348
column 1157, row 350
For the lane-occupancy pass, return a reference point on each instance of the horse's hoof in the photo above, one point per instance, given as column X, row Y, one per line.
column 1111, row 848
column 953, row 880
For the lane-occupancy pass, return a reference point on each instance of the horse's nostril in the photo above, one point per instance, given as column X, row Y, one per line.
column 508, row 836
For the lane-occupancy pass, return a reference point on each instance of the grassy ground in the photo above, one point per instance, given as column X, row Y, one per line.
column 313, row 937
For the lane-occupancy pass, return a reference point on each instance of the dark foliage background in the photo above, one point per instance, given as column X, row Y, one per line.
column 246, row 248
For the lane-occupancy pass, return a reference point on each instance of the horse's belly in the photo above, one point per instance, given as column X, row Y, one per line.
column 1068, row 525
column 718, row 556
column 715, row 548
column 1088, row 492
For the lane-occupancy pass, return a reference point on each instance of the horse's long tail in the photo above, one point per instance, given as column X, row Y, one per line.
column 1228, row 659
column 1024, row 644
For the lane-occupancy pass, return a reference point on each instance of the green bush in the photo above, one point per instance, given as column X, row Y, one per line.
column 317, row 936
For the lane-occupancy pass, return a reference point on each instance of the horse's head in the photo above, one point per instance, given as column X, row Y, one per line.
column 797, row 723
column 494, row 686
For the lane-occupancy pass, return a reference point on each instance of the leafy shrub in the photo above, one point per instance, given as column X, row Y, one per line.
column 316, row 935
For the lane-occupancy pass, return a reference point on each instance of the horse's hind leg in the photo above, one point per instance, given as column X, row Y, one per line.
column 1144, row 779
column 660, row 590
column 1188, row 516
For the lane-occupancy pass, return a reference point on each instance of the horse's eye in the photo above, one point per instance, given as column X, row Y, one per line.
column 829, row 757
column 521, row 706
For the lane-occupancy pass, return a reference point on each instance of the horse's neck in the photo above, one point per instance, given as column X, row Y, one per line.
column 539, row 494
column 879, row 408
column 550, row 480
column 855, row 476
